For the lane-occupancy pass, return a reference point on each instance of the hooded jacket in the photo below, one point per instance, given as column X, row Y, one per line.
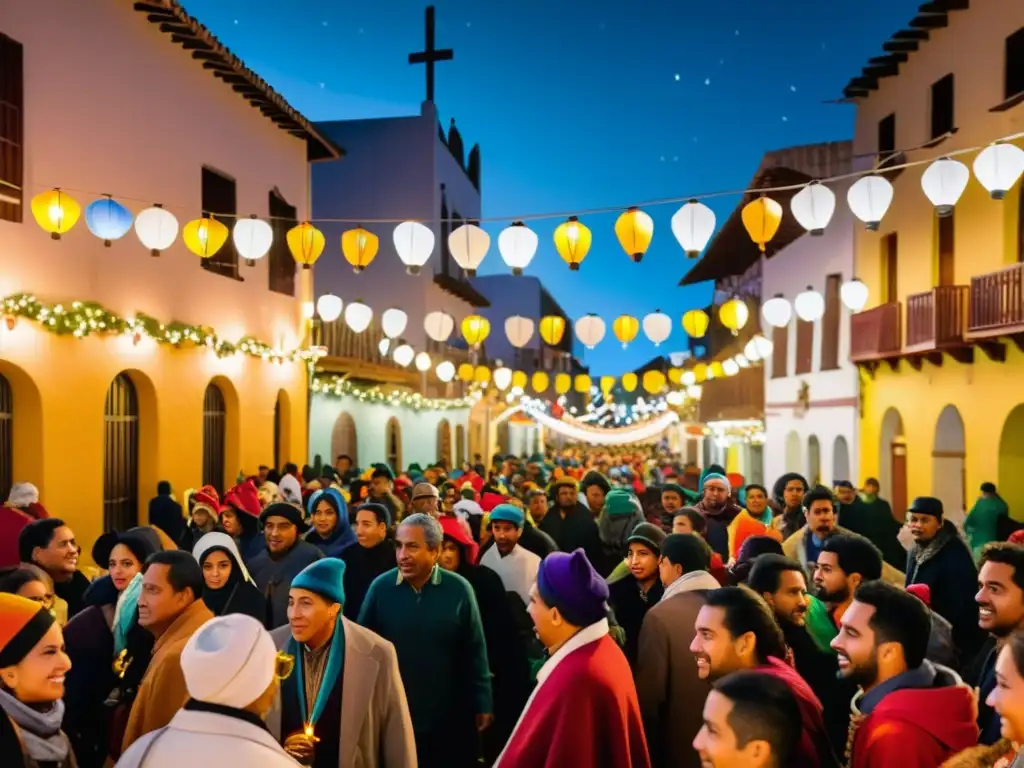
column 814, row 749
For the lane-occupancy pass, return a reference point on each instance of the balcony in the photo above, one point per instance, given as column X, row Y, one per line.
column 734, row 398
column 997, row 304
column 937, row 321
column 875, row 334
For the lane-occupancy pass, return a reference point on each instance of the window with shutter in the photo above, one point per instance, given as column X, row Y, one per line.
column 942, row 107
column 780, row 352
column 886, row 138
column 804, row 346
column 830, row 324
column 1014, row 83
column 12, row 160
column 220, row 200
column 282, row 265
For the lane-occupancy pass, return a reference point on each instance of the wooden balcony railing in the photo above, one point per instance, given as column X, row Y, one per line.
column 738, row 397
column 875, row 333
column 997, row 303
column 937, row 319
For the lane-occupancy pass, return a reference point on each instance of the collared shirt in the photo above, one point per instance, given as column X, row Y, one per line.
column 435, row 577
column 689, row 582
column 518, row 569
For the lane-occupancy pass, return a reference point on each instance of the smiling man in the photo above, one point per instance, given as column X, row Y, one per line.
column 50, row 544
column 373, row 555
column 284, row 555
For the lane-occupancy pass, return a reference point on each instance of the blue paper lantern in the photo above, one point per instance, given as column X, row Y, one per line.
column 108, row 219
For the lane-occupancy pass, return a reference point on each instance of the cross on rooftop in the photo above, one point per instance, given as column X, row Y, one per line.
column 431, row 55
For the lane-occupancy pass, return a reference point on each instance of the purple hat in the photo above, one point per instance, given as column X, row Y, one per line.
column 569, row 583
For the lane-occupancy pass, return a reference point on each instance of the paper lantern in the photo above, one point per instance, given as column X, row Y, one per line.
column 943, row 182
column 204, row 236
column 539, row 381
column 674, row 398
column 253, row 238
column 869, row 198
column 156, row 229
column 502, row 378
column 653, row 382
column 359, row 247
column 730, row 367
column 629, row 381
column 563, row 383
column 657, row 326
column 581, row 384
column 762, row 218
column 404, row 354
column 777, row 312
column 607, row 384
column 694, row 391
column 423, row 362
column 518, row 245
column 55, row 212
column 625, row 328
column 809, row 305
column 696, row 323
column 383, row 346
column 854, row 295
column 998, row 167
column 688, row 379
column 552, row 328
column 700, row 372
column 439, row 326
column 306, row 243
column 675, row 375
column 572, row 241
column 475, row 328
column 518, row 330
column 107, row 219
column 445, row 371
column 715, row 370
column 758, row 348
column 481, row 374
column 733, row 314
column 358, row 316
column 520, row 380
column 813, row 207
column 329, row 307
column 742, row 361
column 693, row 225
column 468, row 245
column 635, row 230
column 393, row 322
column 590, row 329
column 466, row 372
column 414, row 242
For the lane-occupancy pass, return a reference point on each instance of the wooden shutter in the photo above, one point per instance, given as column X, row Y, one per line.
column 804, row 346
column 12, row 160
column 780, row 352
column 220, row 199
column 830, row 324
column 282, row 265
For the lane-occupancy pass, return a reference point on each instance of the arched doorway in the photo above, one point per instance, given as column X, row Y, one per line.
column 892, row 463
column 444, row 442
column 214, row 436
column 949, row 481
column 460, row 444
column 6, row 437
column 121, row 456
column 813, row 460
column 1010, row 482
column 841, row 461
column 794, row 460
column 393, row 440
column 343, row 438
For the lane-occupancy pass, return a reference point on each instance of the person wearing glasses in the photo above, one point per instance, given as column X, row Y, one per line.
column 33, row 583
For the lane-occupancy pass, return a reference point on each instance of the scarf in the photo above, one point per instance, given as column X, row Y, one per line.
column 39, row 731
column 125, row 612
column 690, row 582
column 335, row 664
column 922, row 555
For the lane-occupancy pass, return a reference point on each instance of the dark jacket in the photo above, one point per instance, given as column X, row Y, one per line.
column 340, row 539
column 630, row 609
column 274, row 577
column 165, row 513
column 717, row 532
column 874, row 521
column 72, row 592
column 362, row 566
column 576, row 530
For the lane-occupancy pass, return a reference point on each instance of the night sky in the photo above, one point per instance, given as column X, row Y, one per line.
column 582, row 104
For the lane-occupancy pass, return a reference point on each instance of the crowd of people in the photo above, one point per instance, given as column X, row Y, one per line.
column 580, row 608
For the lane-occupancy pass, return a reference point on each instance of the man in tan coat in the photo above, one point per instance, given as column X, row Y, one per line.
column 170, row 609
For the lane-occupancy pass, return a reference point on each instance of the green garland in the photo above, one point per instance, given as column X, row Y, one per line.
column 338, row 386
column 85, row 318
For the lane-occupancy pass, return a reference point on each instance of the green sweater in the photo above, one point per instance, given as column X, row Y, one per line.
column 439, row 639
column 982, row 522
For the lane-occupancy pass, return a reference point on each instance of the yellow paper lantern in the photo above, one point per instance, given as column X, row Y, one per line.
column 539, row 381
column 607, row 383
column 465, row 372
column 715, row 370
column 762, row 218
column 552, row 328
column 582, row 384
column 635, row 229
column 700, row 372
column 520, row 379
column 629, row 381
column 625, row 328
column 733, row 315
column 205, row 236
column 475, row 328
column 572, row 241
column 675, row 375
column 55, row 212
column 695, row 323
column 482, row 374
column 563, row 383
column 654, row 382
column 306, row 243
column 359, row 247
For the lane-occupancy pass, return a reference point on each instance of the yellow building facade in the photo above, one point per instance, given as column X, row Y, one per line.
column 106, row 101
column 939, row 345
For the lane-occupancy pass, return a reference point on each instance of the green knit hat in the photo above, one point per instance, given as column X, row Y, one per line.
column 619, row 503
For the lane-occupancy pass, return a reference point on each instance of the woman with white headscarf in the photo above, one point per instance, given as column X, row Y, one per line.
column 228, row 587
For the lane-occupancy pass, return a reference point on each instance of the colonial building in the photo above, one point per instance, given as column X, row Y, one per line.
column 940, row 343
column 141, row 102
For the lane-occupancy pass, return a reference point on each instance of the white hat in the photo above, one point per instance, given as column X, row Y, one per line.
column 290, row 489
column 23, row 494
column 229, row 661
column 220, row 540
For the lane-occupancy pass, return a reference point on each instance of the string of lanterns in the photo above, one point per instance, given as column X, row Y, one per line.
column 809, row 304
column 339, row 386
column 997, row 168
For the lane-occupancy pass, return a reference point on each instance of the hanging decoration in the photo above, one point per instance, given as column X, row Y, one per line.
column 813, row 207
column 466, row 372
column 733, row 314
column 502, row 378
column 653, row 382
column 55, row 212
column 629, row 381
column 468, row 245
column 445, row 371
column 998, row 167
column 762, row 218
column 306, row 244
column 475, row 329
column 423, row 362
column 156, row 228
column 581, row 384
column 730, row 367
column 590, row 330
column 518, row 330
column 563, row 383
column 359, row 247
column 696, row 323
column 586, row 433
column 404, row 354
column 635, row 230
column 572, row 241
column 854, row 295
column 481, row 374
column 657, row 327
column 777, row 312
column 693, row 225
column 107, row 219
column 393, row 322
column 414, row 242
column 758, row 348
column 539, row 381
column 520, row 380
column 339, row 386
column 809, row 305
column 552, row 328
column 204, row 236
column 517, row 245
column 383, row 346
column 253, row 238
column 943, row 182
column 625, row 328
column 329, row 307
column 869, row 199
column 358, row 316
column 439, row 326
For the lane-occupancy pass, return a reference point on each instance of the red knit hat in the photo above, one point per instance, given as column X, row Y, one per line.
column 23, row 623
column 453, row 529
column 244, row 497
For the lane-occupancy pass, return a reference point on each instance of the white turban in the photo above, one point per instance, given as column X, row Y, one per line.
column 229, row 661
column 290, row 489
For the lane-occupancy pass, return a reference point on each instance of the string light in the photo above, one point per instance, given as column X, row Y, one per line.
column 339, row 386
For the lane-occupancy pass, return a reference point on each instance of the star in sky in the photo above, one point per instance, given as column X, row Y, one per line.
column 707, row 81
column 677, row 77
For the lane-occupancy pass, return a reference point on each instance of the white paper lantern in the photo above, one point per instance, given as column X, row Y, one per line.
column 468, row 245
column 694, row 391
column 657, row 326
column 998, row 167
column 730, row 367
column 813, row 207
column 156, row 228
column 777, row 312
column 403, row 354
column 502, row 378
column 854, row 295
column 869, row 198
column 414, row 243
column 384, row 345
column 809, row 305
column 693, row 225
column 358, row 316
column 328, row 307
column 674, row 398
column 519, row 330
column 439, row 326
column 688, row 379
column 943, row 182
column 761, row 346
column 308, row 310
column 253, row 238
column 445, row 371
column 423, row 362
column 517, row 245
column 393, row 322
column 590, row 329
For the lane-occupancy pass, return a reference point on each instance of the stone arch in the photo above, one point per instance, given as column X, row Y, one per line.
column 841, row 460
column 21, row 451
column 813, row 461
column 1010, row 482
column 949, row 482
column 282, row 429
column 794, row 452
column 393, row 444
column 892, row 462
column 344, row 438
column 130, row 449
